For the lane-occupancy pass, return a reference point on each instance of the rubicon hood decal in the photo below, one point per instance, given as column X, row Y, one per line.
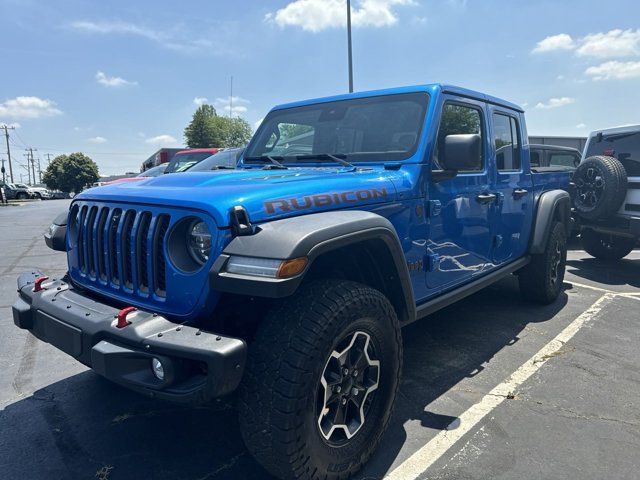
column 324, row 200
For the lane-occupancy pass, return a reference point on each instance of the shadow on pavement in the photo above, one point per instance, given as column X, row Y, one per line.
column 86, row 427
column 621, row 272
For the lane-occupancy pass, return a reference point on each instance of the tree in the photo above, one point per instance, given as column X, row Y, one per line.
column 209, row 130
column 71, row 173
column 238, row 132
column 203, row 131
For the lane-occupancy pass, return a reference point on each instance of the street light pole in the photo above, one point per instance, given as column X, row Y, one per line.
column 349, row 46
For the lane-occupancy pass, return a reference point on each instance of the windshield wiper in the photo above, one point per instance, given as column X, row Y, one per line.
column 264, row 158
column 223, row 167
column 339, row 157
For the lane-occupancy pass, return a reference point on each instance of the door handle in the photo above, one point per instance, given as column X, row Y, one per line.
column 519, row 193
column 485, row 198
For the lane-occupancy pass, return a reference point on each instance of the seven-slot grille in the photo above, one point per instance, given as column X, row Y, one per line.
column 122, row 247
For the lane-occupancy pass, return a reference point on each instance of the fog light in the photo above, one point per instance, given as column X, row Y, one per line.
column 157, row 368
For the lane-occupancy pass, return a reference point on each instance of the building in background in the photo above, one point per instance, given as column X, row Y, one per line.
column 573, row 142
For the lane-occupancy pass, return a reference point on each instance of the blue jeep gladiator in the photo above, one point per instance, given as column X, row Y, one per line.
column 289, row 279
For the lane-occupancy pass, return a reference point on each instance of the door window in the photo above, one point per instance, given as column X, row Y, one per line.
column 459, row 119
column 505, row 137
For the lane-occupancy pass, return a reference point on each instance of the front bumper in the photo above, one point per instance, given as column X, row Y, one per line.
column 198, row 365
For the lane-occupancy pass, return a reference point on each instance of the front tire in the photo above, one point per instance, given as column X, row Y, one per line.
column 321, row 381
column 606, row 246
column 541, row 280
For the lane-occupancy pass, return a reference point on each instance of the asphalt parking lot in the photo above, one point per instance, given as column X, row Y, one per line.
column 493, row 387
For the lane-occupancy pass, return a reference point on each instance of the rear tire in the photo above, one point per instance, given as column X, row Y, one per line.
column 606, row 246
column 541, row 280
column 291, row 410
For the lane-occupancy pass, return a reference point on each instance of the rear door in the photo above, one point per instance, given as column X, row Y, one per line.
column 459, row 209
column 512, row 182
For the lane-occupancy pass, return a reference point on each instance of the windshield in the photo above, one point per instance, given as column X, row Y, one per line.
column 182, row 162
column 154, row 172
column 373, row 128
column 623, row 146
column 227, row 158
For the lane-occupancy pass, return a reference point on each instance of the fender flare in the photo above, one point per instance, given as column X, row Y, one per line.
column 309, row 236
column 552, row 205
column 55, row 237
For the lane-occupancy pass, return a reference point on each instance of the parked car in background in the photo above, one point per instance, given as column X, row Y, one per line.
column 16, row 191
column 554, row 156
column 152, row 172
column 41, row 193
column 225, row 159
column 186, row 159
column 607, row 192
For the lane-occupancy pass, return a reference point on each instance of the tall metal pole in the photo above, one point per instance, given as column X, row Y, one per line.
column 231, row 99
column 6, row 136
column 349, row 46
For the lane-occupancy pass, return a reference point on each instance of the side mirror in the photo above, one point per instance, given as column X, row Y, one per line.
column 462, row 152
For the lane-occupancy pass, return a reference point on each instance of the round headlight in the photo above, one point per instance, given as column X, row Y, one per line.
column 199, row 241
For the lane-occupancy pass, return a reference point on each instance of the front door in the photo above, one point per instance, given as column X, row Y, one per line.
column 459, row 208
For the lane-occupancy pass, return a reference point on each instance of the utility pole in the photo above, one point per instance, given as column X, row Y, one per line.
column 6, row 136
column 231, row 99
column 26, row 167
column 32, row 161
column 350, row 54
column 39, row 170
column 48, row 155
column 4, row 176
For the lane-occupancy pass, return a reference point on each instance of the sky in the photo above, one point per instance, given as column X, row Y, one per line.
column 119, row 79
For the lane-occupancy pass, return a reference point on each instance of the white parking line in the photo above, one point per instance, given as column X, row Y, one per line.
column 426, row 456
column 590, row 287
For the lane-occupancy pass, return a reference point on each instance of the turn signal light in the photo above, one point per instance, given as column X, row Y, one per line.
column 291, row 268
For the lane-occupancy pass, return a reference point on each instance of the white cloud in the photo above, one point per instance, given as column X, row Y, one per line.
column 612, row 44
column 171, row 39
column 28, row 107
column 562, row 41
column 555, row 103
column 317, row 15
column 239, row 105
column 580, row 126
column 162, row 140
column 560, row 77
column 199, row 101
column 614, row 70
column 97, row 139
column 104, row 79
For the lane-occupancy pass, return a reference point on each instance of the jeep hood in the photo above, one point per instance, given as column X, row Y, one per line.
column 265, row 194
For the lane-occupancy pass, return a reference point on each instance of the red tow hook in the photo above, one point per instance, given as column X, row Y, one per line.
column 37, row 285
column 122, row 316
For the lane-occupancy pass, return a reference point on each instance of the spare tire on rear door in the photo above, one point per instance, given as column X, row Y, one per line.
column 600, row 187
